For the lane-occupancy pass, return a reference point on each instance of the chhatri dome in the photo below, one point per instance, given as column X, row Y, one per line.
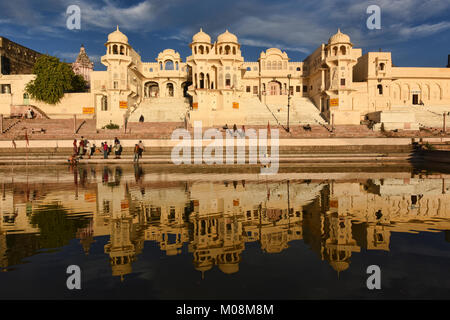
column 117, row 36
column 339, row 266
column 201, row 37
column 227, row 37
column 229, row 268
column 339, row 37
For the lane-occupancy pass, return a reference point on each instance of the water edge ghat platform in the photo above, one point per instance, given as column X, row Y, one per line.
column 309, row 152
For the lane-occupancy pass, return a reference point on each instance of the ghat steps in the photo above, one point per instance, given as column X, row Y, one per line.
column 302, row 111
column 426, row 116
column 162, row 109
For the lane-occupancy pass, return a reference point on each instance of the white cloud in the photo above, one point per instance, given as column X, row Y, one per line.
column 265, row 44
column 108, row 14
column 423, row 30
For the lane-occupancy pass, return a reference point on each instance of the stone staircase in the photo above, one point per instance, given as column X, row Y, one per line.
column 162, row 109
column 302, row 112
column 51, row 128
column 19, row 110
column 257, row 113
column 9, row 124
column 153, row 130
column 427, row 116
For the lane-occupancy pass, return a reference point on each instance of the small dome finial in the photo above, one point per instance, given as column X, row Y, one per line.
column 117, row 28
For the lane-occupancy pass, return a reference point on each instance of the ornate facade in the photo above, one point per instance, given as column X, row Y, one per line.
column 216, row 85
column 83, row 66
column 336, row 83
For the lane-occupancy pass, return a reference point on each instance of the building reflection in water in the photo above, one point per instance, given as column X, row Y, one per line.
column 216, row 219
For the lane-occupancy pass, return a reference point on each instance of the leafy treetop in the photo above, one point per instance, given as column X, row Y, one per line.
column 53, row 79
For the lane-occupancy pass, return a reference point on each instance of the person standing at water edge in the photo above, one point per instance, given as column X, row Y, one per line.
column 81, row 148
column 141, row 148
column 136, row 152
column 105, row 150
column 75, row 148
column 117, row 149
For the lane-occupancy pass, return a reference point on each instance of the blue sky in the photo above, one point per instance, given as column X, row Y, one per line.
column 416, row 31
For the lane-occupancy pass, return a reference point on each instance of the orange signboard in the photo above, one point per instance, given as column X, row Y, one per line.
column 124, row 204
column 88, row 110
column 90, row 197
column 334, row 203
column 195, row 105
column 235, row 105
column 123, row 104
column 334, row 102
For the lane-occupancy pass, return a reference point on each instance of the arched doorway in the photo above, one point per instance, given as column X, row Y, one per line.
column 274, row 88
column 169, row 90
column 184, row 86
column 151, row 90
column 26, row 99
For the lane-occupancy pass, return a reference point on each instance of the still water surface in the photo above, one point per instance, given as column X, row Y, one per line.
column 138, row 233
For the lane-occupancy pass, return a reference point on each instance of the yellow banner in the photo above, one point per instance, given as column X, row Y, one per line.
column 235, row 105
column 88, row 110
column 334, row 102
column 123, row 104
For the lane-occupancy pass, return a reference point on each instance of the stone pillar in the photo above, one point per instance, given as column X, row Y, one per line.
column 74, row 123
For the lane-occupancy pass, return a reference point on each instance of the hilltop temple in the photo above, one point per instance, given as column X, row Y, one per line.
column 335, row 84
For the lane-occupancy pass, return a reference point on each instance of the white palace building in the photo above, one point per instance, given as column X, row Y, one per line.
column 336, row 83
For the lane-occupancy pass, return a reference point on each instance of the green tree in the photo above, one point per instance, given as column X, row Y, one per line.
column 53, row 79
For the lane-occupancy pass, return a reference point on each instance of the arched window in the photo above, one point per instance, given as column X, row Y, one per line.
column 176, row 65
column 335, row 50
column 160, row 66
column 207, row 50
column 121, row 50
column 227, row 50
column 220, row 50
column 169, row 65
column 109, row 49
column 380, row 89
column 151, row 69
column 104, row 103
column 298, row 69
column 115, row 49
column 200, row 49
column 343, row 50
column 227, row 80
column 202, row 81
column 234, row 50
column 195, row 50
column 381, row 66
column 249, row 69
